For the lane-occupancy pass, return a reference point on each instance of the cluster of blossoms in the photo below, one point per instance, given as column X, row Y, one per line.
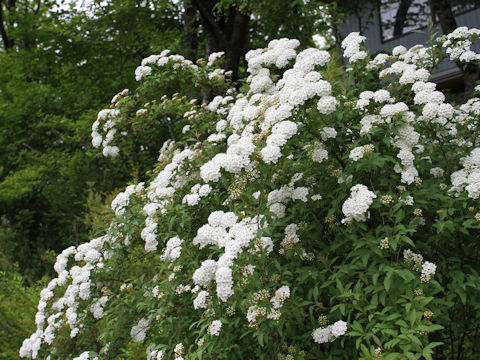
column 224, row 231
column 277, row 199
column 358, row 152
column 272, row 312
column 107, row 117
column 215, row 327
column 198, row 191
column 326, row 334
column 351, row 44
column 64, row 310
column 427, row 268
column 85, row 356
column 268, row 139
column 356, row 206
column 468, row 178
column 139, row 331
column 458, row 44
column 145, row 69
column 153, row 354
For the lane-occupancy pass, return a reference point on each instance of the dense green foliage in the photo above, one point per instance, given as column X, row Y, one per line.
column 17, row 307
column 49, row 92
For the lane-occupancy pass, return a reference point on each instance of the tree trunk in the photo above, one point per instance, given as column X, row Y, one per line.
column 296, row 28
column 443, row 10
column 237, row 43
column 7, row 42
column 226, row 32
column 401, row 16
column 190, row 29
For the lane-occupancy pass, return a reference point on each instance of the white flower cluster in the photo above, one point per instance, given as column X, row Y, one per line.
column 139, row 331
column 122, row 200
column 280, row 296
column 356, row 206
column 319, row 153
column 215, row 327
column 107, row 116
column 277, row 199
column 408, row 73
column 378, row 61
column 233, row 240
column 366, row 97
column 173, row 249
column 214, row 57
column 281, row 132
column 233, row 161
column 142, row 71
column 255, row 311
column 352, row 44
column 149, row 232
column 417, row 54
column 160, row 60
column 328, row 133
column 220, row 105
column 468, row 178
column 153, row 354
column 368, row 121
column 196, row 193
column 406, row 140
column 202, row 299
column 327, row 104
column 291, row 238
column 85, row 356
column 437, row 172
column 323, row 335
column 97, row 307
column 79, row 289
column 179, row 351
column 358, row 152
column 458, row 44
column 428, row 269
column 161, row 189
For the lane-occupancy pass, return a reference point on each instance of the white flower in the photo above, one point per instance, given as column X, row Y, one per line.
column 214, row 57
column 327, row 104
column 356, row 206
column 328, row 133
column 271, row 154
column 356, row 153
column 437, row 172
column 201, row 301
column 280, row 296
column 339, row 328
column 321, row 335
column 139, row 331
column 142, row 71
column 428, row 269
column 215, row 327
column 224, row 283
column 319, row 152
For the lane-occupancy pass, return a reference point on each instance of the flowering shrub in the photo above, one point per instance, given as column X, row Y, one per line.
column 306, row 216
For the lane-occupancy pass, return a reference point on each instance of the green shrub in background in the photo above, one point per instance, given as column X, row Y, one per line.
column 18, row 307
column 308, row 215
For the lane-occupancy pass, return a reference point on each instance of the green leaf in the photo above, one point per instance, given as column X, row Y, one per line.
column 388, row 281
